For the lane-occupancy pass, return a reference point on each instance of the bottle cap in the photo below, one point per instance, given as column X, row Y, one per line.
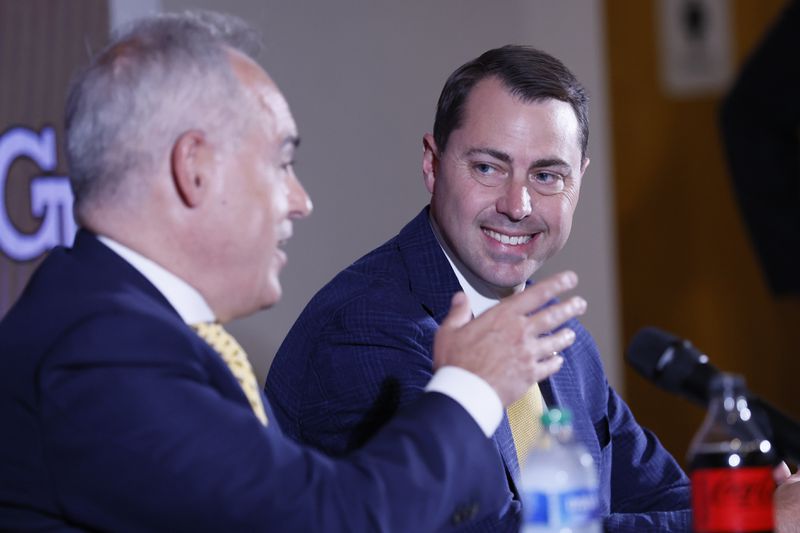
column 726, row 382
column 557, row 416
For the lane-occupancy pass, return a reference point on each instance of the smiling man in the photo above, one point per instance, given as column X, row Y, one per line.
column 504, row 167
column 504, row 186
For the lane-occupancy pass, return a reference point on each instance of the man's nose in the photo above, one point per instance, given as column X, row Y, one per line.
column 514, row 201
column 300, row 205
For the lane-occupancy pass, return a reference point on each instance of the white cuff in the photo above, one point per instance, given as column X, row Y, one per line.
column 476, row 396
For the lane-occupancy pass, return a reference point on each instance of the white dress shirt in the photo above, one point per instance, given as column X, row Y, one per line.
column 481, row 298
column 189, row 303
column 484, row 403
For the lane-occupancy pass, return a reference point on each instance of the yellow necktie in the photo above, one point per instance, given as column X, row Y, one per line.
column 236, row 359
column 525, row 416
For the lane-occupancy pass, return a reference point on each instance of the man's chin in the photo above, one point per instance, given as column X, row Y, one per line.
column 270, row 296
column 504, row 285
column 273, row 299
column 501, row 276
column 509, row 276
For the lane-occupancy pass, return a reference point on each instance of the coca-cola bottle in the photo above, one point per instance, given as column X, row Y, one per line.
column 730, row 465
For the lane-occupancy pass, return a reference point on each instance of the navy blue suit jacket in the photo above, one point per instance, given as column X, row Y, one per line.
column 118, row 417
column 361, row 349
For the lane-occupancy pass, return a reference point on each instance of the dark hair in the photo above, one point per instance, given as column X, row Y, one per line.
column 527, row 73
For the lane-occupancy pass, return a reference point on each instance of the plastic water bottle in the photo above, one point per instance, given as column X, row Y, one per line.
column 559, row 482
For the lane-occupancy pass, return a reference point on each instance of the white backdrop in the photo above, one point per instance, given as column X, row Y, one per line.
column 363, row 78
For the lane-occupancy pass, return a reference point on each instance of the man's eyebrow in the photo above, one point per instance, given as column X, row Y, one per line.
column 497, row 154
column 550, row 162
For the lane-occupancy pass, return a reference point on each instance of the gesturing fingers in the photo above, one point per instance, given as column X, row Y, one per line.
column 547, row 367
column 515, row 343
column 540, row 358
column 551, row 317
column 552, row 345
column 459, row 313
column 542, row 292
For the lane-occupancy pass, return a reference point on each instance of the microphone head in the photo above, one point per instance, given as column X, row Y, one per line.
column 672, row 363
column 646, row 349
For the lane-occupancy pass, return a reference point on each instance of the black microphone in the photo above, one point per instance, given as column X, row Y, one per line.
column 677, row 366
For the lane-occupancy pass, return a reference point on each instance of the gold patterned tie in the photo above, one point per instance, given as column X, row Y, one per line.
column 235, row 357
column 525, row 418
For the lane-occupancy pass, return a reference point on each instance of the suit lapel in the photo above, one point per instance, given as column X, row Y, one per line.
column 505, row 444
column 563, row 389
column 433, row 282
column 107, row 269
column 552, row 388
column 430, row 276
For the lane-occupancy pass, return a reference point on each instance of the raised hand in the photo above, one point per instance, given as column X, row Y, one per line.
column 510, row 346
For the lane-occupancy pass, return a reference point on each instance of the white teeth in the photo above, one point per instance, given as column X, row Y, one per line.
column 507, row 239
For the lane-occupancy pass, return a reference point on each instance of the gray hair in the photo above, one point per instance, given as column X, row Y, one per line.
column 158, row 78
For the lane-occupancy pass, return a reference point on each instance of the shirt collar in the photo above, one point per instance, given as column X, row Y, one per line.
column 480, row 297
column 186, row 300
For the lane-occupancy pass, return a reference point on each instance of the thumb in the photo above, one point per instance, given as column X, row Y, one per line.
column 459, row 313
column 781, row 473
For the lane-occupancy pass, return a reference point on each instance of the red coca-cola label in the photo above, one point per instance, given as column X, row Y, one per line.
column 732, row 499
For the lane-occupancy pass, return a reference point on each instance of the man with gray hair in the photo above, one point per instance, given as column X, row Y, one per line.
column 131, row 409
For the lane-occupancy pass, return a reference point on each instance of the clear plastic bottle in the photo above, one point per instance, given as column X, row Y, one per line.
column 559, row 482
column 730, row 464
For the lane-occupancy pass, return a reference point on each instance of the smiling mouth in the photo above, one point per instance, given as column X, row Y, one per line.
column 512, row 240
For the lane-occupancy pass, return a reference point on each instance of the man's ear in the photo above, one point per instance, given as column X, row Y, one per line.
column 192, row 161
column 430, row 161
